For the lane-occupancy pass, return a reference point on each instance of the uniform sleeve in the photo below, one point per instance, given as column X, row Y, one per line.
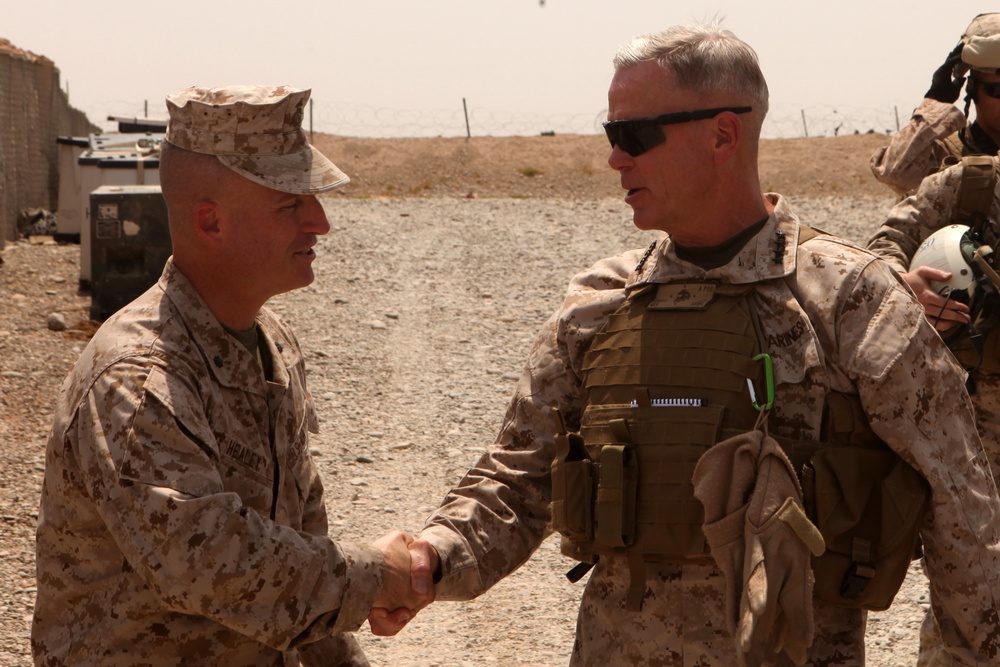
column 914, row 394
column 152, row 472
column 915, row 218
column 499, row 513
column 917, row 149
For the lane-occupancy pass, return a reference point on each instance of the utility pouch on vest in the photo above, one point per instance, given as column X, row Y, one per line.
column 667, row 443
column 868, row 504
column 572, row 485
column 616, row 490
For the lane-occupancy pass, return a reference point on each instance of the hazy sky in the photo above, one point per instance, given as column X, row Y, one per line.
column 387, row 60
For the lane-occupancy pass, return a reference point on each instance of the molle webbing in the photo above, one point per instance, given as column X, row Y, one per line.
column 662, row 379
column 976, row 191
column 679, row 343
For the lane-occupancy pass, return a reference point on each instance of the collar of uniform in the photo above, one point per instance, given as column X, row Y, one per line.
column 755, row 262
column 978, row 141
column 230, row 362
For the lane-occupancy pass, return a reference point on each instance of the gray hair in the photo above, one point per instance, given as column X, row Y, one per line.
column 704, row 59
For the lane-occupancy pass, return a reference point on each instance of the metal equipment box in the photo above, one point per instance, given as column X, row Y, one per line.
column 129, row 244
column 86, row 164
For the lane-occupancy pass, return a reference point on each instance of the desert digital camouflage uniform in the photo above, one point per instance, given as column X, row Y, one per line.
column 182, row 518
column 835, row 318
column 936, row 133
column 907, row 225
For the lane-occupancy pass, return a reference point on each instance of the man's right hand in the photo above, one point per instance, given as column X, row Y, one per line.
column 942, row 312
column 944, row 86
column 425, row 567
column 408, row 582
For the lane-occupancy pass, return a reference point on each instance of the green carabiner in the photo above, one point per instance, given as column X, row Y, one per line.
column 769, row 381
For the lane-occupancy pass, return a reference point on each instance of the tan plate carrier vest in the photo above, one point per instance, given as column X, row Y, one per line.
column 664, row 380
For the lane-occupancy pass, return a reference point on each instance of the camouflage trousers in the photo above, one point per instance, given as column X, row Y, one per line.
column 986, row 400
column 682, row 622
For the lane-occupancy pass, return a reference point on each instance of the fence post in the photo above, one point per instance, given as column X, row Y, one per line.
column 895, row 109
column 805, row 129
column 468, row 132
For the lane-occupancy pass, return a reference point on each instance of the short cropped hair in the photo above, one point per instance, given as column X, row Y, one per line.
column 180, row 168
column 702, row 59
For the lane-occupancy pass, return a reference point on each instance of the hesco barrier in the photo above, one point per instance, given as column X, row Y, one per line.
column 34, row 110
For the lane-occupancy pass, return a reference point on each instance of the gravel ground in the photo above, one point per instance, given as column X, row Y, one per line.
column 414, row 332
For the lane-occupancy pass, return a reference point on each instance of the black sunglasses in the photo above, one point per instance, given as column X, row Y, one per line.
column 991, row 88
column 635, row 136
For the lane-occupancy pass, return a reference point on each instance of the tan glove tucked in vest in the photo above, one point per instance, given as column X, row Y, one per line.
column 762, row 541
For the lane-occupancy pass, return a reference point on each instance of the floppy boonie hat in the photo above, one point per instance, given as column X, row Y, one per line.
column 256, row 131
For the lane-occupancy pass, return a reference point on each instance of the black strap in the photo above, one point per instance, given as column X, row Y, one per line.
column 579, row 570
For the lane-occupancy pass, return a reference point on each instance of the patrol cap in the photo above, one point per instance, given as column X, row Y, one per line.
column 256, row 131
column 981, row 45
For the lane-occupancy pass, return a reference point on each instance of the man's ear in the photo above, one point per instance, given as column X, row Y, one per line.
column 206, row 219
column 728, row 134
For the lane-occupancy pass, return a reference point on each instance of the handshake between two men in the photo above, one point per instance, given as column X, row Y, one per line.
column 408, row 573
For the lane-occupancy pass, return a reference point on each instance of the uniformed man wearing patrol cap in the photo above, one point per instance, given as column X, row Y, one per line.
column 939, row 132
column 744, row 427
column 182, row 519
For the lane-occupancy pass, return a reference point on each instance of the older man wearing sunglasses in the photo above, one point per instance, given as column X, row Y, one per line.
column 740, row 431
column 940, row 133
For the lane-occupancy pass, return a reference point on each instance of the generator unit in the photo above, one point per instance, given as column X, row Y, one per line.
column 129, row 244
column 130, row 156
